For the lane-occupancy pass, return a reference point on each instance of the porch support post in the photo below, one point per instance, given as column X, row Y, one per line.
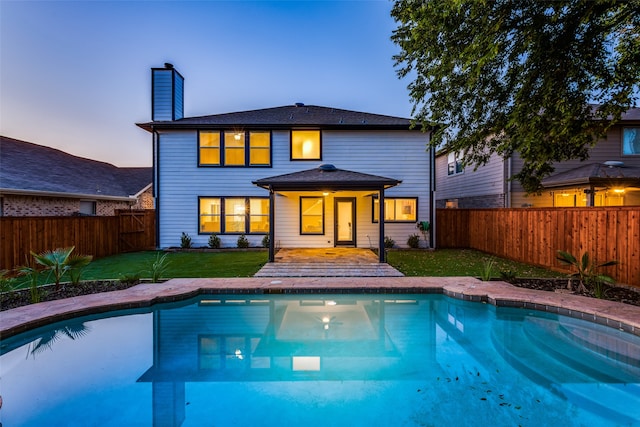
column 381, row 254
column 272, row 225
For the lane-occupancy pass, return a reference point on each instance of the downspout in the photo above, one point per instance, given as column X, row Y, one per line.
column 432, row 197
column 156, row 182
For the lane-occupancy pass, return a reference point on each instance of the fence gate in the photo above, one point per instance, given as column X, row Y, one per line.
column 136, row 230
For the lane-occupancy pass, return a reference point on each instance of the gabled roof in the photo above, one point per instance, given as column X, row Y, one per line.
column 326, row 177
column 297, row 115
column 614, row 173
column 27, row 168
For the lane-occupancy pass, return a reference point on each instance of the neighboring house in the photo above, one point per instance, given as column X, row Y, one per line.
column 307, row 176
column 42, row 181
column 610, row 177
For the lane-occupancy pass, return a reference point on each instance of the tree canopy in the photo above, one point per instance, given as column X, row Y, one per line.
column 545, row 79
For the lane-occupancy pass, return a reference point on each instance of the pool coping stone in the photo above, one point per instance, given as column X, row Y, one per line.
column 617, row 315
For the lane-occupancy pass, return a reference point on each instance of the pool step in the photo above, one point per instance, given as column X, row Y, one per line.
column 329, row 269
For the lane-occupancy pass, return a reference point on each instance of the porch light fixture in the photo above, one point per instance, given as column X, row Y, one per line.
column 325, row 193
column 618, row 190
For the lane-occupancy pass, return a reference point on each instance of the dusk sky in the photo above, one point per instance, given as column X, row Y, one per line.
column 76, row 75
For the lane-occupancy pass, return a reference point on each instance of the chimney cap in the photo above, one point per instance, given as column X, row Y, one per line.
column 168, row 65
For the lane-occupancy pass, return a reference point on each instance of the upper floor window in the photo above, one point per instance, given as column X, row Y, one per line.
column 306, row 145
column 454, row 164
column 209, row 143
column 397, row 209
column 234, row 148
column 631, row 141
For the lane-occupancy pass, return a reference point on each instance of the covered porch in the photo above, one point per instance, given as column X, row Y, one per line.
column 326, row 207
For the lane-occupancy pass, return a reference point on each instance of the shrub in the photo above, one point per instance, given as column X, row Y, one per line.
column 243, row 242
column 413, row 241
column 265, row 241
column 76, row 264
column 389, row 242
column 7, row 283
column 60, row 261
column 33, row 274
column 586, row 272
column 129, row 278
column 185, row 241
column 508, row 276
column 214, row 242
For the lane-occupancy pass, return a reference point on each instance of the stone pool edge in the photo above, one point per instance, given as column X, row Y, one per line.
column 613, row 314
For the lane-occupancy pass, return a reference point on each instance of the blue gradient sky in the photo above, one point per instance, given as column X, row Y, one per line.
column 76, row 75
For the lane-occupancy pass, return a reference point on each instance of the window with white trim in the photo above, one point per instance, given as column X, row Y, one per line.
column 454, row 164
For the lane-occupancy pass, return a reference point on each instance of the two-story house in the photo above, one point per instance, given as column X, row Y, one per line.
column 306, row 176
column 610, row 177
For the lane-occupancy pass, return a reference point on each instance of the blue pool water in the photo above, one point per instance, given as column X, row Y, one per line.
column 322, row 360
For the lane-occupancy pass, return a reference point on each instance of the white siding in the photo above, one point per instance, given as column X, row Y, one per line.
column 486, row 180
column 393, row 154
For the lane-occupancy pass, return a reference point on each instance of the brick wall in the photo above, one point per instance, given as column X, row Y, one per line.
column 475, row 202
column 13, row 205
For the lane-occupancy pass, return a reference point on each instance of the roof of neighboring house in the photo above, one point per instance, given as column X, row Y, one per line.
column 27, row 168
column 613, row 173
column 326, row 177
column 298, row 115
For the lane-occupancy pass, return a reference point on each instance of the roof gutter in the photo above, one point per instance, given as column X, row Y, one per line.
column 18, row 192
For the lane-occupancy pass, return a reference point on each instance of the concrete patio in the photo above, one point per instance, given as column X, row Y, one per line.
column 327, row 262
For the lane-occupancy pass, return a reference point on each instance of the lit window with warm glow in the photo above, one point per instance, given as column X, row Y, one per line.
column 209, row 143
column 259, row 148
column 258, row 215
column 234, row 148
column 210, row 215
column 397, row 210
column 234, row 215
column 311, row 215
column 305, row 145
column 246, row 215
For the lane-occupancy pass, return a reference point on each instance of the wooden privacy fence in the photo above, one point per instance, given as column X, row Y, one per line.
column 533, row 235
column 91, row 235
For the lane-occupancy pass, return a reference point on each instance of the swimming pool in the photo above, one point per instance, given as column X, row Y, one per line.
column 316, row 359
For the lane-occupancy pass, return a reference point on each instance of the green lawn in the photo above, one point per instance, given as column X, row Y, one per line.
column 179, row 264
column 459, row 262
column 442, row 262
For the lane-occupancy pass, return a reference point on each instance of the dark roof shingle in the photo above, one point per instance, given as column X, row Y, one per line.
column 595, row 173
column 287, row 116
column 35, row 168
column 326, row 177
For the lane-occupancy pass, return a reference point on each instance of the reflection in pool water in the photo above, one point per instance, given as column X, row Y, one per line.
column 339, row 360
